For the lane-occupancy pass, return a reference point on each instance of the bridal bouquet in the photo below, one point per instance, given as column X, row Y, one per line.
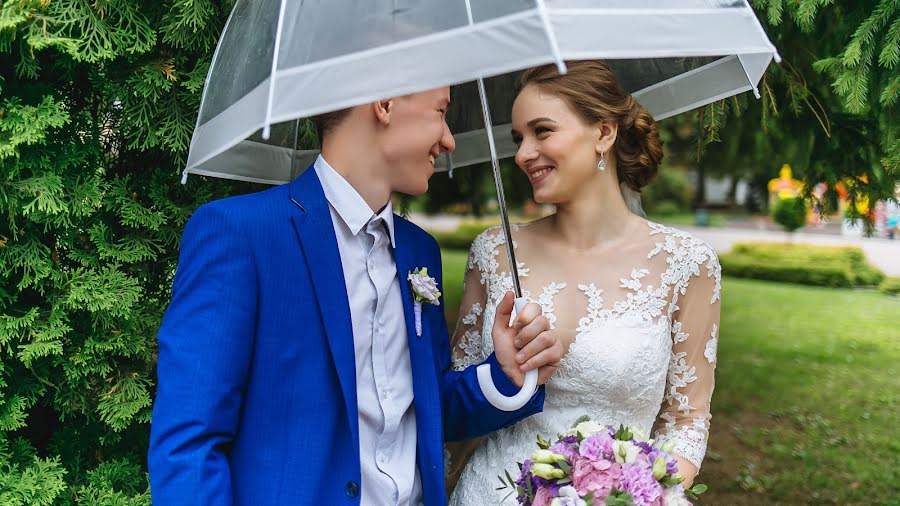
column 595, row 465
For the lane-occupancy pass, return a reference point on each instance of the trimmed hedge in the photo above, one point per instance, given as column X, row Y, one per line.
column 463, row 236
column 801, row 263
column 890, row 286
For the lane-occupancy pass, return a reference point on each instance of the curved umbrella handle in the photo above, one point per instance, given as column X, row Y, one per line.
column 497, row 399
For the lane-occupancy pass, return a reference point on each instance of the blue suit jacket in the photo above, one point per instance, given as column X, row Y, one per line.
column 256, row 401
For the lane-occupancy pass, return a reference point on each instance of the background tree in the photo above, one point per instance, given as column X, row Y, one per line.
column 829, row 109
column 98, row 100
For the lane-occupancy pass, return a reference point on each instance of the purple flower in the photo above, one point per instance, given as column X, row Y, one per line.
column 671, row 463
column 597, row 446
column 566, row 448
column 646, row 447
column 637, row 479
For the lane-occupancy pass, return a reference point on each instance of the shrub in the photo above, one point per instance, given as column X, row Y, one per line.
column 669, row 190
column 463, row 236
column 666, row 208
column 97, row 106
column 790, row 213
column 801, row 263
column 890, row 286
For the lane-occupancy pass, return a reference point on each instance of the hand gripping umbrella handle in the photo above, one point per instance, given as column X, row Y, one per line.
column 497, row 399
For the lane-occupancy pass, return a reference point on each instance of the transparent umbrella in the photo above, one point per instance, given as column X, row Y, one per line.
column 279, row 61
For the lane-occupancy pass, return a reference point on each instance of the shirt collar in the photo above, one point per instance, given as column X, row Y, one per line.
column 348, row 203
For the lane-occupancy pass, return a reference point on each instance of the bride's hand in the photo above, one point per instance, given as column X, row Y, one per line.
column 561, row 340
column 529, row 343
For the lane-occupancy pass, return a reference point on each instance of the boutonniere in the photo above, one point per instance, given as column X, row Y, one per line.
column 425, row 290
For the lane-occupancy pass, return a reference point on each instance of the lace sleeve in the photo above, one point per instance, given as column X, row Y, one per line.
column 468, row 342
column 685, row 412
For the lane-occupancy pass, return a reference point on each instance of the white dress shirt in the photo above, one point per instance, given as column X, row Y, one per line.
column 384, row 389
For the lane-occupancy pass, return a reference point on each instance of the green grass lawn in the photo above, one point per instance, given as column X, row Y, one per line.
column 806, row 404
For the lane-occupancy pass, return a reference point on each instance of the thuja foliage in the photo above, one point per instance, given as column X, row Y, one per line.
column 98, row 99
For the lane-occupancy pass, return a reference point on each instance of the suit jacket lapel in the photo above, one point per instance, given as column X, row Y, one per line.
column 314, row 228
column 426, row 399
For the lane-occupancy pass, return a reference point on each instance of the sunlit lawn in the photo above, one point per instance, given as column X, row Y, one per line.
column 806, row 405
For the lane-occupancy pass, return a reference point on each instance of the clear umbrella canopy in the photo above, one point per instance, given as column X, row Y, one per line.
column 279, row 61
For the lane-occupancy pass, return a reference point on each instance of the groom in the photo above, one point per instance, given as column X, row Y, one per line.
column 290, row 366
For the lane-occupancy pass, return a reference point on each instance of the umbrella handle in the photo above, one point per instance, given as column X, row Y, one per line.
column 497, row 399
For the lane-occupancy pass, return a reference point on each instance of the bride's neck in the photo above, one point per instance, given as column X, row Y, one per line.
column 595, row 219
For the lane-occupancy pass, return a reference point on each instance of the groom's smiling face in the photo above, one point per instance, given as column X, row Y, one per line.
column 415, row 136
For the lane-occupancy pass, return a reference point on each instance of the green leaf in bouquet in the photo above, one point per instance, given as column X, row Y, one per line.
column 619, row 497
column 695, row 491
column 581, row 419
column 565, row 467
column 623, row 434
column 671, row 481
column 542, row 443
column 589, row 499
column 564, row 481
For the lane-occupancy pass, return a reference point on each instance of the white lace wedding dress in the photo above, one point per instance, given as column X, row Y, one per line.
column 646, row 321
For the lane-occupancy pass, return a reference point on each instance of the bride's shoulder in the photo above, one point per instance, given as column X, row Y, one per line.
column 681, row 243
column 489, row 238
column 493, row 237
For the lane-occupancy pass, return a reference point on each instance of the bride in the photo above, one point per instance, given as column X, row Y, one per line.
column 638, row 302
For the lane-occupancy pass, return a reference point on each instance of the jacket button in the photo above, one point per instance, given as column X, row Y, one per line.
column 352, row 489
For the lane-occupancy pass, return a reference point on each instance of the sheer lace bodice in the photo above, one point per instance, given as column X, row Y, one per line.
column 645, row 325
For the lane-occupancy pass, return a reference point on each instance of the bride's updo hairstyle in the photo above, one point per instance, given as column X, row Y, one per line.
column 591, row 89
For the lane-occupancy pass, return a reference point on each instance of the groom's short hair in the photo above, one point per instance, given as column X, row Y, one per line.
column 327, row 122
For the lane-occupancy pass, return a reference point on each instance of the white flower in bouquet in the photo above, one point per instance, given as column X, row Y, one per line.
column 639, row 435
column 547, row 471
column 675, row 497
column 626, row 452
column 586, row 428
column 546, row 457
column 568, row 496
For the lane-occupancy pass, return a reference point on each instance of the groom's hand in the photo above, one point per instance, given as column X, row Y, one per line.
column 527, row 344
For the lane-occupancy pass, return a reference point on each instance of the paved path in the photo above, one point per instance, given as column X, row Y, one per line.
column 883, row 253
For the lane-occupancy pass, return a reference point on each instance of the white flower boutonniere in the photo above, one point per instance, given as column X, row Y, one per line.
column 425, row 290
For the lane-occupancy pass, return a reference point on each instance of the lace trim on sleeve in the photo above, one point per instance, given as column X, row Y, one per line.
column 690, row 440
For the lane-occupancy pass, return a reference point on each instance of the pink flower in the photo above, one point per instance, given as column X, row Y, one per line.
column 597, row 476
column 542, row 497
column 597, row 446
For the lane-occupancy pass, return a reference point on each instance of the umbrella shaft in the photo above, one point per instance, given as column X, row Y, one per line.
column 498, row 182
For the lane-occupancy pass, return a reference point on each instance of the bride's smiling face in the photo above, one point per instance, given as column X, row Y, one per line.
column 558, row 150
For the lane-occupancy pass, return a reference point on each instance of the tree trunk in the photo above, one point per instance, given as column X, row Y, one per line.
column 732, row 191
column 700, row 193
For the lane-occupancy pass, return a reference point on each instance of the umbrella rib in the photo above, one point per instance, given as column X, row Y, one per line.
column 267, row 127
column 749, row 79
column 551, row 36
